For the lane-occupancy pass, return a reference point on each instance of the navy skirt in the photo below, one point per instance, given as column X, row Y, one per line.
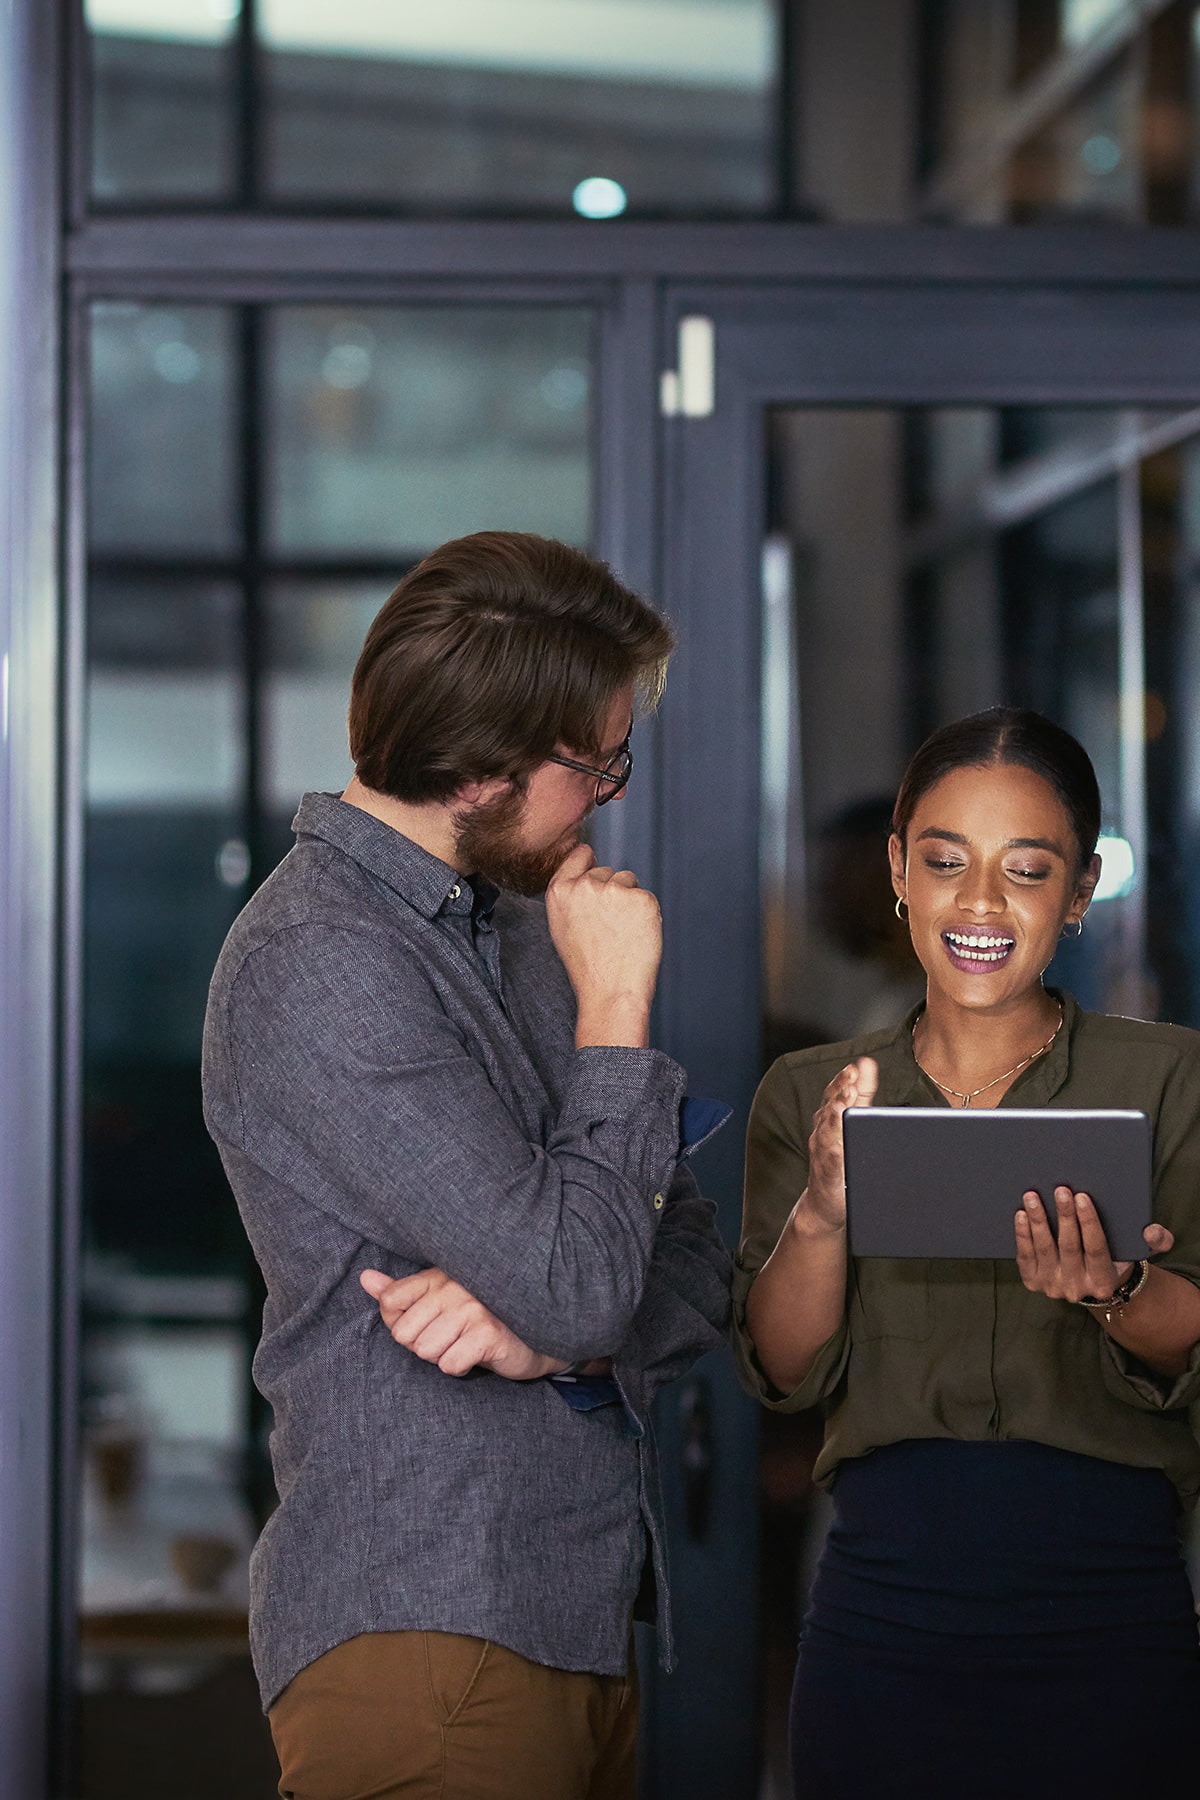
column 998, row 1619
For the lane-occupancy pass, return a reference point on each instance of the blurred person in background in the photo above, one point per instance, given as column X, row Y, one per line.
column 429, row 1082
column 856, row 909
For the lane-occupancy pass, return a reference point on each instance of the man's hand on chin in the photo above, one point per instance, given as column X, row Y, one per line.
column 439, row 1321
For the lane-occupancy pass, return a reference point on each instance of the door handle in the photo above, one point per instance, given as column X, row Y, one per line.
column 689, row 390
column 696, row 1455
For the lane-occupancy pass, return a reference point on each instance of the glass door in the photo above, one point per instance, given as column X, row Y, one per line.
column 901, row 507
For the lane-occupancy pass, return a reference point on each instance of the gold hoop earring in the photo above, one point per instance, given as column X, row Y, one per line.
column 902, row 902
column 1068, row 933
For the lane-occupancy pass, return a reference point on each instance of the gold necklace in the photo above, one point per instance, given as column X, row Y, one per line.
column 996, row 1079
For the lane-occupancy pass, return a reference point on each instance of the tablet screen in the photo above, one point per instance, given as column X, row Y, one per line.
column 941, row 1181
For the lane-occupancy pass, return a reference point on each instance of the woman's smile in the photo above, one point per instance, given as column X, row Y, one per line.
column 978, row 952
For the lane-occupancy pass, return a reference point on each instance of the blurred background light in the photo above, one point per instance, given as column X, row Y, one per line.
column 1117, row 874
column 1101, row 154
column 599, row 198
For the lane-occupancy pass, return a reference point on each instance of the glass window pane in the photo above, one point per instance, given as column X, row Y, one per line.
column 390, row 430
column 1023, row 432
column 989, row 577
column 922, row 565
column 162, row 471
column 978, row 110
column 1086, row 164
column 166, row 1535
column 1062, row 628
column 315, row 631
column 166, row 1525
column 171, row 1490
column 165, row 867
column 474, row 106
column 1085, row 110
column 162, row 82
column 1170, row 503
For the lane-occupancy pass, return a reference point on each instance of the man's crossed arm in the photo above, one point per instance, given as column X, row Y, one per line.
column 683, row 1310
column 439, row 1321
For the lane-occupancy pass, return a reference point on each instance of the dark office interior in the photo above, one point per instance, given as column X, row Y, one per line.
column 863, row 335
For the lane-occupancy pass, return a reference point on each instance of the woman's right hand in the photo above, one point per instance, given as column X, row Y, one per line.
column 824, row 1199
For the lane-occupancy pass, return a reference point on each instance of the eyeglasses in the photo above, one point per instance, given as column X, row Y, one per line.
column 609, row 780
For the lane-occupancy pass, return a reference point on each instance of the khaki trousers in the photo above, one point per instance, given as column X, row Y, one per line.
column 426, row 1715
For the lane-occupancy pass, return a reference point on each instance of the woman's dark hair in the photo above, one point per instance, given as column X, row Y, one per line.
column 495, row 651
column 1008, row 734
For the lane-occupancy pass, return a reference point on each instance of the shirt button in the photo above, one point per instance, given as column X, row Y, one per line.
column 455, row 891
column 658, row 1202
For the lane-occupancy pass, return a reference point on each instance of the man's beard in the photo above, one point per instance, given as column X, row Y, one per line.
column 488, row 844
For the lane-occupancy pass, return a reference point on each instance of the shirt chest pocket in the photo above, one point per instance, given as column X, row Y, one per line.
column 889, row 1298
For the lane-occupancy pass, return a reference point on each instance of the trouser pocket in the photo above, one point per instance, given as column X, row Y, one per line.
column 453, row 1666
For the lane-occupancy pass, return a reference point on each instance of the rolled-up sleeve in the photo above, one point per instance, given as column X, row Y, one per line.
column 1131, row 1381
column 776, row 1175
column 684, row 1310
column 1177, row 1206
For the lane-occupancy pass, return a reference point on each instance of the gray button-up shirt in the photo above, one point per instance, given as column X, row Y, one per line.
column 392, row 1082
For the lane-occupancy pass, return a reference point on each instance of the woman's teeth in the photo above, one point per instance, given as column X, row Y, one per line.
column 979, row 946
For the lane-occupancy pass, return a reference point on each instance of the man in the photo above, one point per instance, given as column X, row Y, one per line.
column 427, row 1087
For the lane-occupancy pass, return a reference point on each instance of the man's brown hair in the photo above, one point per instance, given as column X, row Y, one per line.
column 495, row 651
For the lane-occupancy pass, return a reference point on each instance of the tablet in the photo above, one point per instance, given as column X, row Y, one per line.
column 942, row 1181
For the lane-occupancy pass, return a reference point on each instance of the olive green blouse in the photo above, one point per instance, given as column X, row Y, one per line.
column 933, row 1348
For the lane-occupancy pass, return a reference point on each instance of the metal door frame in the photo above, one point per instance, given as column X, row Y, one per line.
column 31, row 1299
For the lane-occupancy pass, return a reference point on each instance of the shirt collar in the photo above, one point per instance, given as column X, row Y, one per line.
column 483, row 898
column 420, row 878
column 903, row 1083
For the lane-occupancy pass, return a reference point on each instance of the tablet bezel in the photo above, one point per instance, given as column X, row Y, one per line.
column 959, row 1190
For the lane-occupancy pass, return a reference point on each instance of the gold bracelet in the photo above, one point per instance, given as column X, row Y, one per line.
column 1119, row 1299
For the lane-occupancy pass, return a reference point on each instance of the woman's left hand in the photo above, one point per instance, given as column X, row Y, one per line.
column 1078, row 1266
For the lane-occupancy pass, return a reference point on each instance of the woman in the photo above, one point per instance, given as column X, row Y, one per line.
column 1001, row 1607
